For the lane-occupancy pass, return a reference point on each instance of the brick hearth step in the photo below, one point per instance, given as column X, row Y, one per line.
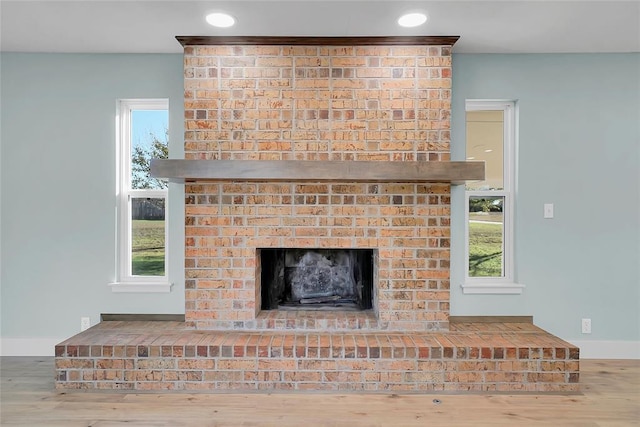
column 166, row 355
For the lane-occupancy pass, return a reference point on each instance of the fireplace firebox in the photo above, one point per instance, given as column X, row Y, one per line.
column 312, row 279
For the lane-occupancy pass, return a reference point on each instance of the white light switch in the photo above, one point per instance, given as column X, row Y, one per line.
column 548, row 210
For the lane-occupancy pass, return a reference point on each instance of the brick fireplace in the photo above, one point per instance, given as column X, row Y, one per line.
column 334, row 150
column 387, row 103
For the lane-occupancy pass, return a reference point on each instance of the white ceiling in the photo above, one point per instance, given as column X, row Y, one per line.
column 483, row 26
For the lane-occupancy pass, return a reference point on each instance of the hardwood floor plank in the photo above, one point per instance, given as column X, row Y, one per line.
column 610, row 397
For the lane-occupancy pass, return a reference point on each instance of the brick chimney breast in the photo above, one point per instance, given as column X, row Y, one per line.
column 346, row 102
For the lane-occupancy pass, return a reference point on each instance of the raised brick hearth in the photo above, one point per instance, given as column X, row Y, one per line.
column 353, row 101
column 169, row 356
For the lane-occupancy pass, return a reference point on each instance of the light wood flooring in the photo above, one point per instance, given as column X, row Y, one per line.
column 610, row 396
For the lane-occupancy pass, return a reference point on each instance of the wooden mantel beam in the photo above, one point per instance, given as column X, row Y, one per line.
column 318, row 41
column 317, row 170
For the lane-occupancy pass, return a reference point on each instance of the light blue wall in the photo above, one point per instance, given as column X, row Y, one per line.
column 579, row 148
column 58, row 187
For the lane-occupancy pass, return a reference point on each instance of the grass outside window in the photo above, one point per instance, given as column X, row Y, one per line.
column 486, row 245
column 148, row 247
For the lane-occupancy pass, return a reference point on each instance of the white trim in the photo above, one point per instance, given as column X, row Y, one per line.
column 608, row 349
column 504, row 284
column 141, row 287
column 29, row 346
column 125, row 280
column 492, row 288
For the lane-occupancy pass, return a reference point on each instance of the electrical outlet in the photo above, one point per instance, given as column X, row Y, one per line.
column 85, row 323
column 548, row 210
column 586, row 326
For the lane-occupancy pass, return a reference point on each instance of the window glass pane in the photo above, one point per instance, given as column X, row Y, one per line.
column 149, row 140
column 147, row 236
column 485, row 134
column 486, row 236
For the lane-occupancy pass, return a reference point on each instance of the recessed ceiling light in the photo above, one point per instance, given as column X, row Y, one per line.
column 488, row 151
column 470, row 158
column 412, row 20
column 221, row 20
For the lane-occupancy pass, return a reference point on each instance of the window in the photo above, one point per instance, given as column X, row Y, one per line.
column 489, row 204
column 141, row 199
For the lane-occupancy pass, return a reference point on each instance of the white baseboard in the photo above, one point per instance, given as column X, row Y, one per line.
column 608, row 349
column 29, row 346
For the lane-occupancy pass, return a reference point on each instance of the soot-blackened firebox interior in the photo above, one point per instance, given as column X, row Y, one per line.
column 317, row 278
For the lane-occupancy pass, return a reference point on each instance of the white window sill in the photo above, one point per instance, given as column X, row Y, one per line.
column 141, row 287
column 492, row 288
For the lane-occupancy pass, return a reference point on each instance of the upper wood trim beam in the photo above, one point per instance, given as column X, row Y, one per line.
column 316, row 170
column 318, row 41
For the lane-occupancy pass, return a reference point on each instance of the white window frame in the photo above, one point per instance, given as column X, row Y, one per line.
column 506, row 284
column 125, row 280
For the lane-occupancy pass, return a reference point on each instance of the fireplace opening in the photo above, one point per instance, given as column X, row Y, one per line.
column 316, row 279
